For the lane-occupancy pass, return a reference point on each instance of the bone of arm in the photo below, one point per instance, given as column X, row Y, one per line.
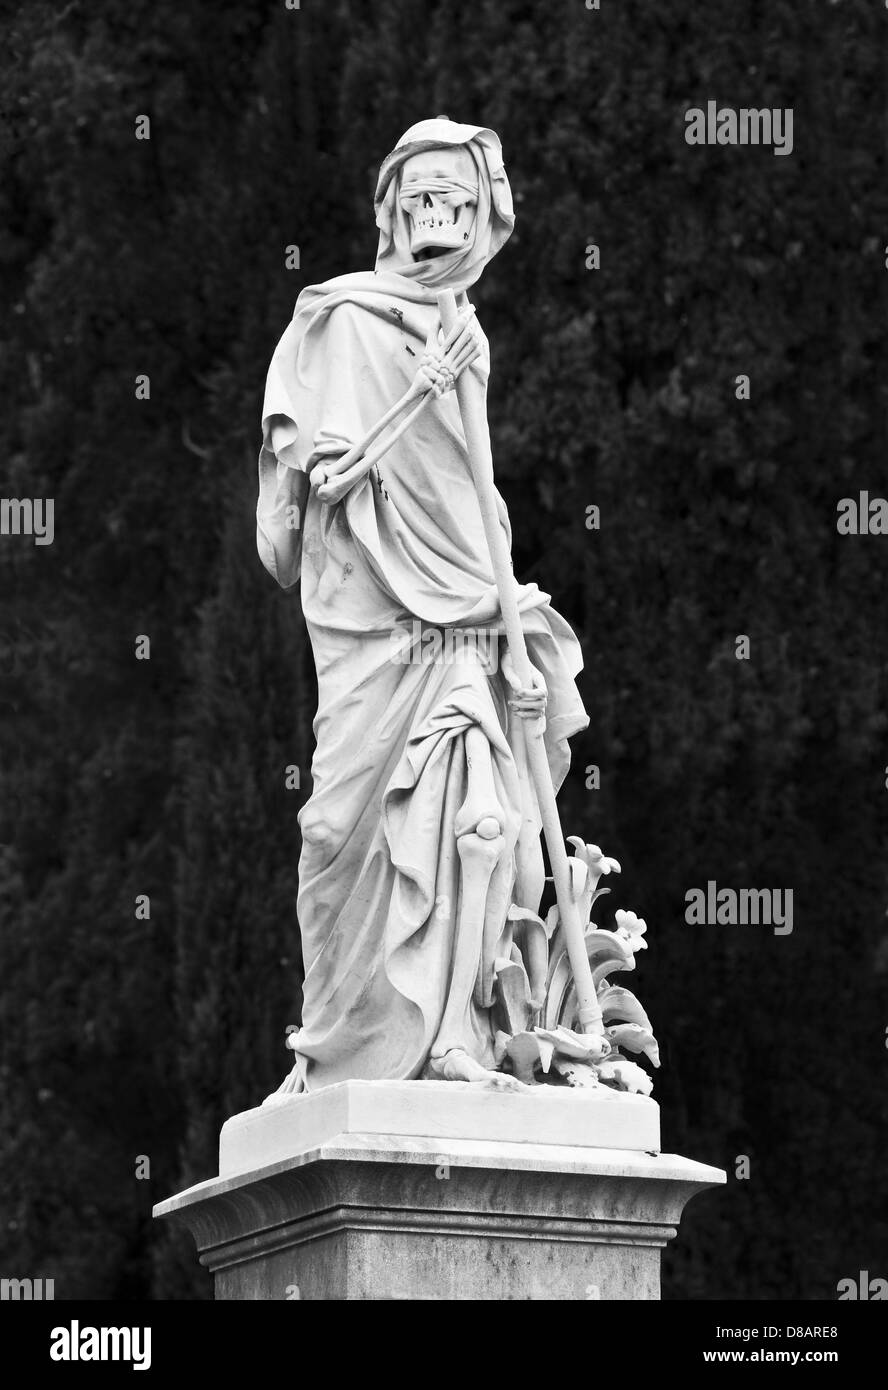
column 441, row 366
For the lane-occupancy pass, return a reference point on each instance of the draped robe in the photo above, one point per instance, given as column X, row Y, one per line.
column 402, row 554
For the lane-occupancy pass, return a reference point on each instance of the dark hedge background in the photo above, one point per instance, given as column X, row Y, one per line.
column 119, row 257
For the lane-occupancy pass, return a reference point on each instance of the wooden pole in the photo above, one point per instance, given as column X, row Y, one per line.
column 474, row 421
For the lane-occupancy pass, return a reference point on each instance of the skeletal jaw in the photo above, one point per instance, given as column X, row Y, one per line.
column 437, row 226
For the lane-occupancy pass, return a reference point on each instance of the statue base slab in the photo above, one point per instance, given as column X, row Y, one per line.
column 317, row 1199
column 438, row 1110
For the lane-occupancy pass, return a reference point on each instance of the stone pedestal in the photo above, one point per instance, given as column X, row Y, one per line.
column 435, row 1190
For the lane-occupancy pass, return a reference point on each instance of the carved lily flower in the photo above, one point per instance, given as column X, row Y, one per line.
column 587, row 866
column 632, row 930
column 596, row 862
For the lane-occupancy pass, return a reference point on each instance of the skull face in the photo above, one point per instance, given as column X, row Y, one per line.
column 439, row 193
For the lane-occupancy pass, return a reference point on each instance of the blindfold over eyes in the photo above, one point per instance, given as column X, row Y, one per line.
column 453, row 189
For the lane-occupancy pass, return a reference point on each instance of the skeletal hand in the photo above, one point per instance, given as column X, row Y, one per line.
column 445, row 359
column 325, row 473
column 529, row 702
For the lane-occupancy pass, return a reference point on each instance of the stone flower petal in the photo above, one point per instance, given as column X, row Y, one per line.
column 587, row 1047
column 629, row 1076
column 633, row 1038
column 632, row 928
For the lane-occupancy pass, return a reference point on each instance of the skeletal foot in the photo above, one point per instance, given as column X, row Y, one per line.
column 457, row 1065
column 290, row 1086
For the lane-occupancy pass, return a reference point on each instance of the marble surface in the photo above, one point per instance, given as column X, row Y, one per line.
column 440, row 1111
column 375, row 1217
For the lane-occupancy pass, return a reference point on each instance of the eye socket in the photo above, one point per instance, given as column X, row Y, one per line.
column 456, row 198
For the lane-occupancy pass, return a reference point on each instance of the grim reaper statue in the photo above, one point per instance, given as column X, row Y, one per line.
column 421, row 872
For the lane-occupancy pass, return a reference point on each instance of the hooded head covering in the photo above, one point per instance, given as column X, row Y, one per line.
column 494, row 217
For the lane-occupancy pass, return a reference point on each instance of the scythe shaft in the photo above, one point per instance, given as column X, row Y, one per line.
column 481, row 462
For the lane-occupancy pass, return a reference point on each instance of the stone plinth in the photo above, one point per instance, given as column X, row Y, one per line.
column 426, row 1190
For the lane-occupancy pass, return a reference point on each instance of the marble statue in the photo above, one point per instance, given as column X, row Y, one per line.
column 446, row 690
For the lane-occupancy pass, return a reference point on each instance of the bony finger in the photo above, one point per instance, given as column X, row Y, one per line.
column 464, row 344
column 471, row 328
column 461, row 341
column 472, row 348
column 433, row 373
column 462, row 359
column 465, row 359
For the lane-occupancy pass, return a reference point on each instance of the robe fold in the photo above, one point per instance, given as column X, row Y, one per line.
column 389, row 980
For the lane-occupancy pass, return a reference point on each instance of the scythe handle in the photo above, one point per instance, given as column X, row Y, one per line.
column 474, row 421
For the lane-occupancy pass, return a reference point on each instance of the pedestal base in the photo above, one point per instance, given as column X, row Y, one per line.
column 346, row 1210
